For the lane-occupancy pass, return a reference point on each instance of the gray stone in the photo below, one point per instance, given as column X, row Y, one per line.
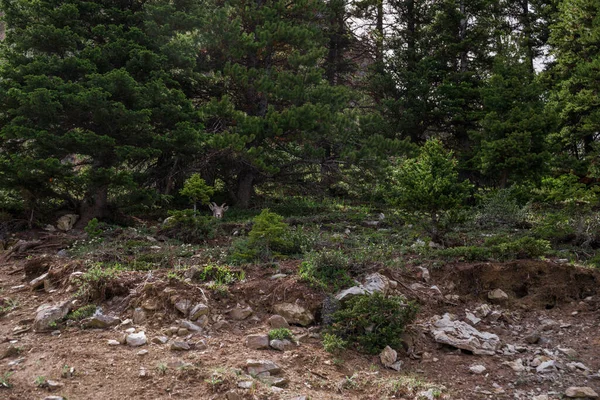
column 54, row 398
column 179, row 345
column 463, row 336
column 38, row 282
column 256, row 367
column 472, row 318
column 183, row 306
column 497, row 296
column 277, row 321
column 66, row 222
column 100, row 321
column 113, row 342
column 373, row 283
column 533, row 337
column 190, row 326
column 294, row 313
column 142, row 352
column 483, row 310
column 546, row 366
column 240, row 313
column 47, row 317
column 581, row 392
column 53, row 385
column 245, row 384
column 281, row 345
column 388, row 356
column 198, row 310
column 477, row 369
column 257, row 342
column 160, row 339
column 274, row 381
column 571, row 353
column 516, row 365
column 139, row 316
column 136, row 339
column 397, row 366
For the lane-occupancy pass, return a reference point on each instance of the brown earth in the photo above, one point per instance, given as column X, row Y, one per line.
column 537, row 290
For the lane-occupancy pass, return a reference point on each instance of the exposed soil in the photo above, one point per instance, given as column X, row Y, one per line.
column 537, row 289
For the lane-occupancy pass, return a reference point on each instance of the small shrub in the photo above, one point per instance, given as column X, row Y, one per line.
column 326, row 269
column 333, row 343
column 267, row 233
column 82, row 312
column 220, row 274
column 526, row 247
column 40, row 381
column 197, row 190
column 93, row 284
column 92, row 229
column 281, row 334
column 500, row 208
column 372, row 322
column 190, row 228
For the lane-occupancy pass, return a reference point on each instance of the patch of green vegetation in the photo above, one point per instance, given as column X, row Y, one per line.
column 8, row 305
column 93, row 283
column 187, row 227
column 372, row 322
column 93, row 229
column 220, row 274
column 334, row 344
column 82, row 312
column 5, row 380
column 281, row 334
column 326, row 269
column 499, row 248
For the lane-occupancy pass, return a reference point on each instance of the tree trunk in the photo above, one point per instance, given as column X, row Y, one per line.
column 93, row 206
column 245, row 188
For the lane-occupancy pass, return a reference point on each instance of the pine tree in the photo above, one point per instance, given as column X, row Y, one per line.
column 91, row 94
column 576, row 46
column 275, row 107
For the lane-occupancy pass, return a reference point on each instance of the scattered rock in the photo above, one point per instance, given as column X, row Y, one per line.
column 472, row 318
column 53, row 385
column 66, row 222
column 373, row 283
column 142, row 352
column 38, row 282
column 294, row 313
column 463, row 336
column 54, row 398
column 183, row 306
column 277, row 321
column 113, row 342
column 477, row 369
column 100, row 321
column 533, row 337
column 274, row 381
column 497, row 296
column 136, row 339
column 424, row 273
column 546, row 366
column 388, row 356
column 190, row 326
column 516, row 365
column 240, row 313
column 179, row 345
column 160, row 339
column 568, row 352
column 483, row 310
column 575, row 392
column 47, row 317
column 245, row 384
column 280, row 345
column 139, row 316
column 257, row 342
column 143, row 373
column 198, row 310
column 256, row 367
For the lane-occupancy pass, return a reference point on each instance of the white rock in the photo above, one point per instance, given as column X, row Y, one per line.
column 472, row 318
column 575, row 392
column 477, row 369
column 463, row 336
column 294, row 313
column 498, row 296
column 136, row 339
column 388, row 356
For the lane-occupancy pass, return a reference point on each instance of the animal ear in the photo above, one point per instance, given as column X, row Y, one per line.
column 210, row 205
column 225, row 208
column 223, row 205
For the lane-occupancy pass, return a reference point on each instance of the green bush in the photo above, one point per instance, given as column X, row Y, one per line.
column 428, row 184
column 190, row 228
column 93, row 229
column 269, row 237
column 197, row 190
column 500, row 208
column 499, row 248
column 326, row 269
column 372, row 322
column 333, row 343
column 219, row 274
column 281, row 334
column 82, row 312
column 93, row 283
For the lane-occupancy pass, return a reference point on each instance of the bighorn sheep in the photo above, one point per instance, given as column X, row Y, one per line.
column 218, row 211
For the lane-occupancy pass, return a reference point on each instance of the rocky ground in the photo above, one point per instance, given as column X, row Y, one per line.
column 519, row 330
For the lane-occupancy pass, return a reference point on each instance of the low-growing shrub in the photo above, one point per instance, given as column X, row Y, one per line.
column 500, row 208
column 218, row 273
column 94, row 283
column 281, row 334
column 190, row 228
column 332, row 343
column 372, row 322
column 82, row 312
column 499, row 248
column 326, row 269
